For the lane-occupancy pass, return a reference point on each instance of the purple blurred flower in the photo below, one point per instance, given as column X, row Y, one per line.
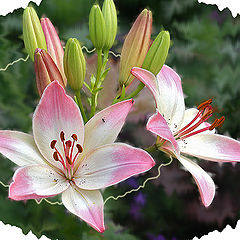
column 135, row 211
column 132, row 182
column 140, row 199
column 218, row 17
column 151, row 236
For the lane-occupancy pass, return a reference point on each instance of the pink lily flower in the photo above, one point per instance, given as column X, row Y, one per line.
column 65, row 157
column 184, row 132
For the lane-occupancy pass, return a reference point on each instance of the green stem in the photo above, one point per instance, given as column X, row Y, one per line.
column 105, row 58
column 79, row 101
column 98, row 76
column 136, row 92
column 99, row 68
column 93, row 105
column 151, row 149
column 131, row 95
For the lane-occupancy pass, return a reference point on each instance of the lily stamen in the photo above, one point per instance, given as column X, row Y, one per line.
column 189, row 124
column 217, row 123
column 221, row 121
column 204, row 113
column 194, row 133
column 205, row 104
column 62, row 136
column 69, row 160
column 57, row 154
column 204, row 109
column 203, row 119
column 68, row 146
column 80, row 150
column 66, row 159
column 74, row 137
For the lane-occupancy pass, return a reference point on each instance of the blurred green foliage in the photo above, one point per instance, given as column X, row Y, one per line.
column 205, row 52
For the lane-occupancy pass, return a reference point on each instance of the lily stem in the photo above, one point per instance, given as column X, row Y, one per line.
column 98, row 77
column 152, row 148
column 131, row 95
column 79, row 101
column 136, row 91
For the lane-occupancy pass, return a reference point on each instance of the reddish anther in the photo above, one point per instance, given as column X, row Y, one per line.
column 79, row 147
column 68, row 144
column 66, row 158
column 207, row 114
column 62, row 136
column 55, row 156
column 204, row 113
column 53, row 144
column 74, row 136
column 217, row 123
column 69, row 160
column 205, row 104
column 221, row 121
column 214, row 124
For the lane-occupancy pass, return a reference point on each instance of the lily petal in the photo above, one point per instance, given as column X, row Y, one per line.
column 36, row 181
column 171, row 100
column 88, row 205
column 204, row 182
column 110, row 164
column 158, row 125
column 213, row 147
column 20, row 148
column 104, row 127
column 56, row 112
column 167, row 92
column 149, row 80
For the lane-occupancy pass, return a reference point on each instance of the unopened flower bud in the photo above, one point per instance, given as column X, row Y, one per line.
column 157, row 53
column 33, row 35
column 97, row 28
column 54, row 46
column 110, row 17
column 74, row 64
column 135, row 46
column 46, row 70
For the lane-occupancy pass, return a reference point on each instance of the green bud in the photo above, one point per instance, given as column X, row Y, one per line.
column 97, row 28
column 74, row 64
column 157, row 53
column 110, row 16
column 33, row 35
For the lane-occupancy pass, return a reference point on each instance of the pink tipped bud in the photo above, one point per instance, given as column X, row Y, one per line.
column 54, row 46
column 135, row 46
column 46, row 70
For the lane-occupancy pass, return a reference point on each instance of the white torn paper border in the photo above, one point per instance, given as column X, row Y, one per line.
column 12, row 233
column 8, row 6
column 227, row 233
column 233, row 5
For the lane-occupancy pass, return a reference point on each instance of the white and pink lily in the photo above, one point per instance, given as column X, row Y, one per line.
column 64, row 156
column 185, row 132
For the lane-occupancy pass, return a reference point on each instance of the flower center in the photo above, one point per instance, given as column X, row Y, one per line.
column 205, row 111
column 67, row 159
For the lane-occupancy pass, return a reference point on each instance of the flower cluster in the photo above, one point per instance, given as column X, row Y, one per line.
column 72, row 150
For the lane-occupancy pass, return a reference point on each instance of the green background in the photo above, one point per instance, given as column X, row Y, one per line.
column 205, row 47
